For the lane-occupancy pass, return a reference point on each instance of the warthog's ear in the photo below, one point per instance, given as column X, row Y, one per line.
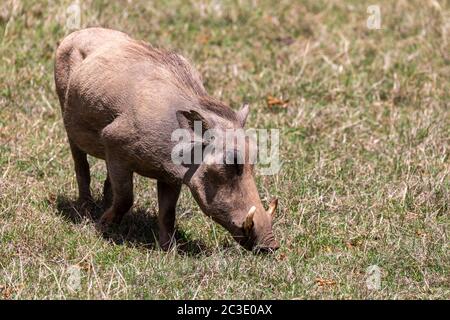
column 187, row 120
column 243, row 113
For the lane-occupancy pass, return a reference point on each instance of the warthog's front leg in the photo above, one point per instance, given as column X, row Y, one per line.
column 121, row 179
column 107, row 193
column 167, row 200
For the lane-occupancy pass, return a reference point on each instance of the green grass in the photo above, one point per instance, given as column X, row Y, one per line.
column 365, row 144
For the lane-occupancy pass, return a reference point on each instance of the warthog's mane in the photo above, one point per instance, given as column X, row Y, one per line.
column 183, row 74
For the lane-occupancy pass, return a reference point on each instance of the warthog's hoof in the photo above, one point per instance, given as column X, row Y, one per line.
column 106, row 221
column 166, row 242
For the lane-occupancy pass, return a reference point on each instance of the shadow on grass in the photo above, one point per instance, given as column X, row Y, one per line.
column 138, row 227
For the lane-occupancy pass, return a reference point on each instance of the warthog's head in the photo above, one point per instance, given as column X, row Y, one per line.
column 222, row 182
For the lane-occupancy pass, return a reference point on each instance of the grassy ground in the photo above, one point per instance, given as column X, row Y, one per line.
column 364, row 143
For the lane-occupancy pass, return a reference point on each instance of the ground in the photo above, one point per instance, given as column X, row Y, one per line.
column 364, row 121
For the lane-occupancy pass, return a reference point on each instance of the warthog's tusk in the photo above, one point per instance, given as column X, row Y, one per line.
column 248, row 223
column 273, row 207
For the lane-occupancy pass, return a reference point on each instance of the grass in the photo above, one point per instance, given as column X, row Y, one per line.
column 364, row 143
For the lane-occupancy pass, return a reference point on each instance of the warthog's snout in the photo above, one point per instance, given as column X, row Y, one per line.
column 269, row 245
column 257, row 228
column 267, row 249
column 260, row 248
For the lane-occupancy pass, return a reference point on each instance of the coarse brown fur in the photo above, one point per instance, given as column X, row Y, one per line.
column 121, row 99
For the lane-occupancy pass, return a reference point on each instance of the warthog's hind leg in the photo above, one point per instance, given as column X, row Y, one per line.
column 82, row 173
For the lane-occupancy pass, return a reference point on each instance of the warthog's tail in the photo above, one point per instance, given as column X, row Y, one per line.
column 66, row 60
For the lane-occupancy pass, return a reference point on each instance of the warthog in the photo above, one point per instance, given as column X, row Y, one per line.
column 121, row 99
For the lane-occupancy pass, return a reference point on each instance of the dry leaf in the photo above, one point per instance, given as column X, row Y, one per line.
column 421, row 234
column 52, row 198
column 282, row 256
column 85, row 266
column 325, row 282
column 202, row 38
column 272, row 101
column 6, row 291
column 353, row 244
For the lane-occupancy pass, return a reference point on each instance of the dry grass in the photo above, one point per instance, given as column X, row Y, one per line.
column 365, row 147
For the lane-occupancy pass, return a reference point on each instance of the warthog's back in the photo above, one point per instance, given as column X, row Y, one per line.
column 101, row 53
column 101, row 74
column 75, row 48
